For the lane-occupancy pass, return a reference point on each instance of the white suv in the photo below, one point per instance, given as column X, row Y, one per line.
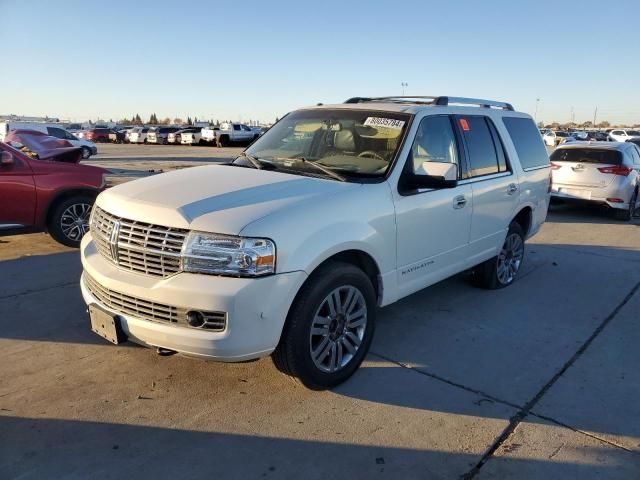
column 335, row 211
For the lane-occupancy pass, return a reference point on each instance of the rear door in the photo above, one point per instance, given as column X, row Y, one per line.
column 17, row 192
column 494, row 185
column 580, row 172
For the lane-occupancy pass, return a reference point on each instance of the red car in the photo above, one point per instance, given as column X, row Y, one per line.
column 97, row 134
column 43, row 188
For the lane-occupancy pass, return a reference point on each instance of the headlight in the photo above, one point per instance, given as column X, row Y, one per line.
column 227, row 255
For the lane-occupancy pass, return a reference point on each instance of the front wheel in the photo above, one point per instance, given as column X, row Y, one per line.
column 70, row 220
column 329, row 328
column 502, row 270
column 86, row 153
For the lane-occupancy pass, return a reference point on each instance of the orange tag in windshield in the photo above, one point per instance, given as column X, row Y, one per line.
column 464, row 124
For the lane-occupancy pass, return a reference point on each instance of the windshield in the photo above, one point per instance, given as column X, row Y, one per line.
column 351, row 142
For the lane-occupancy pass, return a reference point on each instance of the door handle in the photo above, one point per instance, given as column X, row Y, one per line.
column 459, row 202
column 512, row 188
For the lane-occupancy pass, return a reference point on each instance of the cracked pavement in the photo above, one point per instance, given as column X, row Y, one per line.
column 539, row 380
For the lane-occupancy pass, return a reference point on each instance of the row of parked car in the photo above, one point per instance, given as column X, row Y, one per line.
column 554, row 138
column 225, row 134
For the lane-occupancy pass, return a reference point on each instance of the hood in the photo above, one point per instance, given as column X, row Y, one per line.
column 45, row 146
column 214, row 198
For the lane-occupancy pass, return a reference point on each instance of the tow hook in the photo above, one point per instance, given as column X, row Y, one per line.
column 165, row 352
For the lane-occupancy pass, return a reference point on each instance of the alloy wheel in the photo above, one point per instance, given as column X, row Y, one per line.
column 338, row 328
column 510, row 259
column 74, row 221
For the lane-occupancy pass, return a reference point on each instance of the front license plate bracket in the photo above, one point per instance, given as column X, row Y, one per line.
column 106, row 324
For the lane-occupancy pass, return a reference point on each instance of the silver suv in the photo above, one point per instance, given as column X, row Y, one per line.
column 602, row 173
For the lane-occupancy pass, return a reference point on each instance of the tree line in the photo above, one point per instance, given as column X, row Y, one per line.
column 154, row 120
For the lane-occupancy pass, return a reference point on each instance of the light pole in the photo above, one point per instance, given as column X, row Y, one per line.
column 403, row 85
column 535, row 115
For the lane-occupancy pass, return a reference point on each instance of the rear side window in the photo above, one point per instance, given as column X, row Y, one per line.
column 587, row 155
column 236, row 127
column 529, row 146
column 481, row 146
column 56, row 132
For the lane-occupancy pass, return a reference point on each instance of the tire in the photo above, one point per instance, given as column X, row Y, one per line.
column 86, row 153
column 502, row 270
column 628, row 214
column 62, row 225
column 224, row 141
column 339, row 351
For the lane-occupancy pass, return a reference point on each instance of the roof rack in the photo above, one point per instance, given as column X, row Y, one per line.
column 430, row 100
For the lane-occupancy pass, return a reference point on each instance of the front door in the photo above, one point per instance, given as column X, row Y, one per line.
column 432, row 225
column 17, row 192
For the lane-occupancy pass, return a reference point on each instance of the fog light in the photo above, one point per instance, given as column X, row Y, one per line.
column 195, row 319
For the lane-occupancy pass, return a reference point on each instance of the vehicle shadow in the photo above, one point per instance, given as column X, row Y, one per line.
column 508, row 344
column 583, row 213
column 48, row 448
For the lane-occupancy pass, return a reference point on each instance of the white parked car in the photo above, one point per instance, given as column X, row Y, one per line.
column 335, row 211
column 601, row 173
column 618, row 135
column 209, row 134
column 160, row 135
column 231, row 133
column 138, row 135
column 553, row 139
column 191, row 136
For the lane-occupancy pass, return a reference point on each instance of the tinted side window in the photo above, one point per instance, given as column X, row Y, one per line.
column 483, row 158
column 503, row 165
column 531, row 150
column 56, row 132
column 236, row 127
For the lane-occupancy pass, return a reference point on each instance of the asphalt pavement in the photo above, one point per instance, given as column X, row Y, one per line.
column 539, row 380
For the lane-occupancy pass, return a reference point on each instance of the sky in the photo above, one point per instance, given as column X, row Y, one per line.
column 261, row 59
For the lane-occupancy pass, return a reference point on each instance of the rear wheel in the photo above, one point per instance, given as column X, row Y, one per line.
column 628, row 213
column 501, row 270
column 70, row 220
column 329, row 328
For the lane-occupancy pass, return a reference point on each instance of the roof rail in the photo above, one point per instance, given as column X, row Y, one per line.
column 431, row 100
column 473, row 101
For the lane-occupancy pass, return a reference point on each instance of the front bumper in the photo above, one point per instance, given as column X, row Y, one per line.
column 94, row 150
column 256, row 308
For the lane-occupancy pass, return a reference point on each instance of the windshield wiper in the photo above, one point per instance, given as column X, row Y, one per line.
column 318, row 166
column 253, row 160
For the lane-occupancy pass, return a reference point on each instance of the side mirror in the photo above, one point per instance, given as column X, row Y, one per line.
column 6, row 160
column 434, row 175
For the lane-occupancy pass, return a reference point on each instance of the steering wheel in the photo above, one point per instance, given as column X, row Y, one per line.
column 371, row 154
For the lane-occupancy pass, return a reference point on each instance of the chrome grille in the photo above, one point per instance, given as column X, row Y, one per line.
column 138, row 246
column 147, row 310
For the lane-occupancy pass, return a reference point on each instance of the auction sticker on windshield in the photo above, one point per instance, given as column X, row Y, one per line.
column 384, row 122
